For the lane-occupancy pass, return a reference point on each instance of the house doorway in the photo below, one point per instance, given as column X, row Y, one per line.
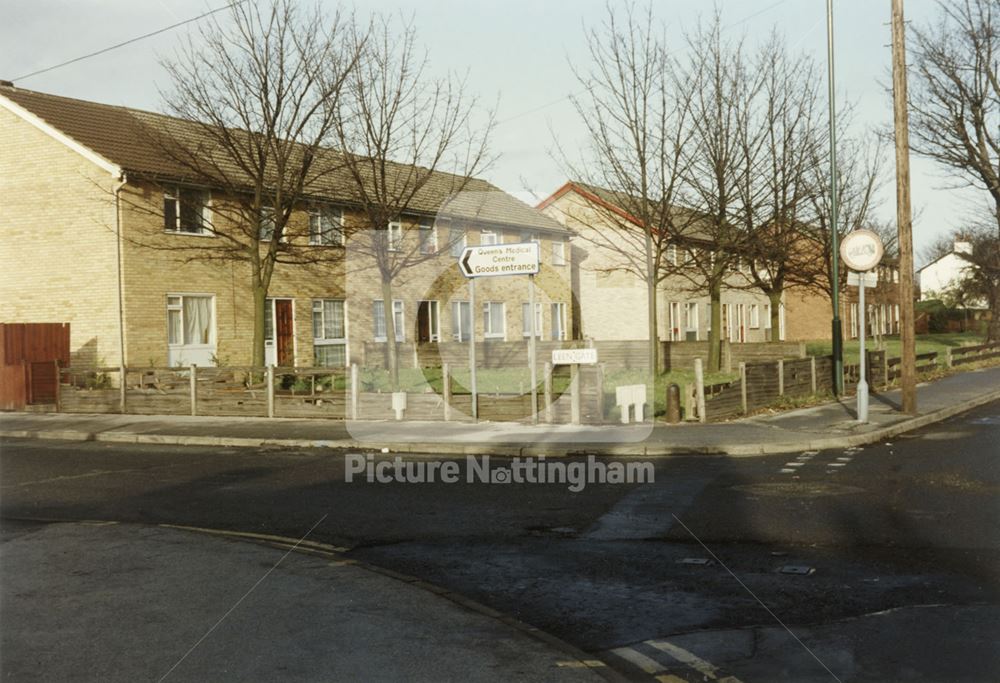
column 279, row 332
column 427, row 321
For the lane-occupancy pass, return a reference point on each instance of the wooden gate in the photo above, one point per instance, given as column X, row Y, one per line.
column 29, row 356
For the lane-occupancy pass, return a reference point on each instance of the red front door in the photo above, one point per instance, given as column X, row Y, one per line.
column 283, row 332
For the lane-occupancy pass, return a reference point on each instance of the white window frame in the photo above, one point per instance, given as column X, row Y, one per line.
column 434, row 311
column 529, row 236
column 316, row 234
column 397, row 308
column 767, row 317
column 488, row 331
column 267, row 213
column 558, row 253
column 457, row 318
column 173, row 194
column 754, row 317
column 691, row 319
column 674, row 321
column 558, row 309
column 494, row 237
column 672, row 254
column 458, row 246
column 329, row 341
column 428, row 237
column 539, row 325
column 394, row 235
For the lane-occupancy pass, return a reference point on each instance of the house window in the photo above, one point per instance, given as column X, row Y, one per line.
column 691, row 320
column 487, row 237
column 326, row 227
column 559, row 253
column 754, row 316
column 267, row 223
column 458, row 240
column 329, row 333
column 767, row 316
column 526, row 324
column 895, row 275
column 461, row 321
column 428, row 238
column 185, row 210
column 378, row 317
column 672, row 254
column 708, row 316
column 528, row 236
column 558, row 321
column 854, row 320
column 494, row 320
column 395, row 235
column 190, row 329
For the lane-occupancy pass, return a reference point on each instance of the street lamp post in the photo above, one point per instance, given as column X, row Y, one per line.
column 836, row 331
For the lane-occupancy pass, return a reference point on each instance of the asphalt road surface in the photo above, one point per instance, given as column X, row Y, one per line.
column 876, row 564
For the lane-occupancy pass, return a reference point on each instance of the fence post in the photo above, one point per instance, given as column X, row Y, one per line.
column 781, row 377
column 600, row 394
column 122, row 388
column 58, row 382
column 354, row 391
column 574, row 388
column 947, row 357
column 727, row 356
column 689, row 392
column 270, row 390
column 699, row 387
column 548, row 392
column 193, row 378
column 885, row 368
column 802, row 350
column 812, row 374
column 446, row 390
column 743, row 387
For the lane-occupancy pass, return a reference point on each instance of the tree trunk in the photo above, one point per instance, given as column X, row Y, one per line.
column 715, row 333
column 259, row 303
column 390, row 334
column 774, row 297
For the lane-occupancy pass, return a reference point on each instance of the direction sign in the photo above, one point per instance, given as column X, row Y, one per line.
column 861, row 250
column 574, row 356
column 500, row 259
column 870, row 279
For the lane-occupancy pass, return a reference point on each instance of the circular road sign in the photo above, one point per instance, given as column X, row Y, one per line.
column 861, row 250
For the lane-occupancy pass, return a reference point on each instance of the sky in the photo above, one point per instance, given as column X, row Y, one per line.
column 517, row 53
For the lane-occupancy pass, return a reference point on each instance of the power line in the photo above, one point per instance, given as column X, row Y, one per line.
column 127, row 42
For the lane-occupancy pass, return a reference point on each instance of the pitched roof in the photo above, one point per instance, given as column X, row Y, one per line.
column 121, row 135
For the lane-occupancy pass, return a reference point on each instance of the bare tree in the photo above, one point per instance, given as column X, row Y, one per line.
column 399, row 129
column 777, row 198
column 637, row 121
column 955, row 113
column 253, row 102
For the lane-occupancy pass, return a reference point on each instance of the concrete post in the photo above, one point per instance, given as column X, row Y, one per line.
column 781, row 377
column 689, row 400
column 600, row 393
column 727, row 356
column 802, row 349
column 947, row 357
column 812, row 375
column 574, row 381
column 743, row 388
column 699, row 385
column 446, row 390
column 193, row 378
column 122, row 389
column 548, row 392
column 269, row 378
column 55, row 363
column 355, row 391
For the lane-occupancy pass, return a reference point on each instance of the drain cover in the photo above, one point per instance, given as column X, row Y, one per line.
column 701, row 561
column 799, row 569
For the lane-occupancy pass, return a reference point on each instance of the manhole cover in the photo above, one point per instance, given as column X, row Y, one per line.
column 798, row 488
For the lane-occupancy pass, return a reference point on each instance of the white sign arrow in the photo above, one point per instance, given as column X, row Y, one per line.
column 500, row 259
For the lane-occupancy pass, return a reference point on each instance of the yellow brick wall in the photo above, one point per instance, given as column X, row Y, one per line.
column 57, row 240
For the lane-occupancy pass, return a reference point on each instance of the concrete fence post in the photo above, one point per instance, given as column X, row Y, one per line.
column 885, row 368
column 446, row 390
column 58, row 388
column 574, row 382
column 355, row 391
column 743, row 387
column 122, row 389
column 269, row 378
column 948, row 362
column 812, row 375
column 727, row 356
column 699, row 387
column 781, row 377
column 193, row 378
column 599, row 403
column 802, row 349
column 547, row 379
column 689, row 401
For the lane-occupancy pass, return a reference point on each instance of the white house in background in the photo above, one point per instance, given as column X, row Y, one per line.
column 945, row 272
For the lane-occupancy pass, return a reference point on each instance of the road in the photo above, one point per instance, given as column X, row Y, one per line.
column 692, row 577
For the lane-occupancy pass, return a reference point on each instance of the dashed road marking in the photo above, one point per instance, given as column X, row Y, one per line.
column 706, row 669
column 647, row 664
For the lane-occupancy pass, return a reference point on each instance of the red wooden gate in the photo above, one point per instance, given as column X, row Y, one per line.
column 29, row 354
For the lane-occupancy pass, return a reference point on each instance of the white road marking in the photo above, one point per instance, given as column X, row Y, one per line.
column 837, row 464
column 706, row 669
column 794, row 464
column 786, row 470
column 845, row 458
column 647, row 664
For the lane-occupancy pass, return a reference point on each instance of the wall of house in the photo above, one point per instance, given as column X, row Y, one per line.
column 57, row 228
column 160, row 264
column 613, row 301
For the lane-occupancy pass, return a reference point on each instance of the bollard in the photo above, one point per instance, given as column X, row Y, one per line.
column 673, row 404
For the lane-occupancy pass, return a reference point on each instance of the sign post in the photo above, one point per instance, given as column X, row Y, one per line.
column 862, row 250
column 491, row 260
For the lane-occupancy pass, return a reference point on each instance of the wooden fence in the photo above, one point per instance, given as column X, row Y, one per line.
column 30, row 355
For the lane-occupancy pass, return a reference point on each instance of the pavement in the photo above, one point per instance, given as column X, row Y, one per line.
column 832, row 425
column 118, row 602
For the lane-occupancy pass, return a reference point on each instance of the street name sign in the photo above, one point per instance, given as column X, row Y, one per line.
column 574, row 356
column 855, row 278
column 861, row 250
column 500, row 259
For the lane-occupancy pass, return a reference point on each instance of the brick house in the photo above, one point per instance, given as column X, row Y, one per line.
column 612, row 302
column 80, row 220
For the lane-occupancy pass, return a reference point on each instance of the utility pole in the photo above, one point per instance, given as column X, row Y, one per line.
column 908, row 369
column 835, row 330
